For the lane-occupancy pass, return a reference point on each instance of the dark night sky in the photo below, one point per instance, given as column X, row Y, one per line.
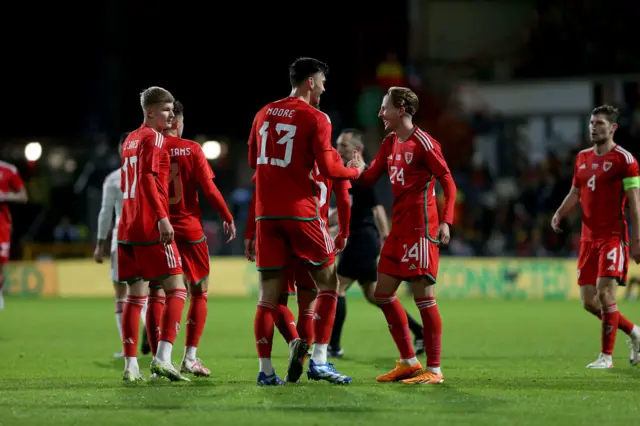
column 69, row 71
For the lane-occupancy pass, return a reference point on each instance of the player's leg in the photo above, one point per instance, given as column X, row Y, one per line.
column 284, row 319
column 389, row 272
column 155, row 305
column 314, row 245
column 335, row 347
column 306, row 299
column 162, row 263
column 423, row 289
column 195, row 263
column 136, row 295
column 272, row 255
column 5, row 246
column 120, row 291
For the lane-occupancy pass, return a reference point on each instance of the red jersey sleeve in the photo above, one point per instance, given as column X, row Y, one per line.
column 343, row 202
column 149, row 166
column 250, row 229
column 575, row 183
column 378, row 165
column 322, row 150
column 433, row 159
column 253, row 148
column 211, row 192
column 149, row 153
column 631, row 168
column 15, row 182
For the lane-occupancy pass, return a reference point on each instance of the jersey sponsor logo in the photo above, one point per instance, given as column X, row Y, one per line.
column 607, row 166
column 408, row 156
column 594, row 166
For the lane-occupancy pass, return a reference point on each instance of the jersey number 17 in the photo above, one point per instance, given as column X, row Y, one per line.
column 286, row 139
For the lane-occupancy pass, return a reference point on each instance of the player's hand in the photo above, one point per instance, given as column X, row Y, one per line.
column 230, row 230
column 98, row 253
column 383, row 238
column 443, row 234
column 635, row 249
column 340, row 243
column 356, row 163
column 555, row 223
column 166, row 231
column 250, row 249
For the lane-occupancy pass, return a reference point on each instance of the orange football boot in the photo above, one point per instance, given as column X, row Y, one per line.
column 425, row 377
column 401, row 372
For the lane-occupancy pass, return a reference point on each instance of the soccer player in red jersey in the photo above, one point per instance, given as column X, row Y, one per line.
column 146, row 247
column 414, row 162
column 11, row 190
column 298, row 280
column 287, row 139
column 189, row 168
column 605, row 177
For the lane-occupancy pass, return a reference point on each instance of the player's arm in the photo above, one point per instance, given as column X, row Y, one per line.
column 333, row 216
column 569, row 203
column 329, row 166
column 107, row 206
column 250, row 231
column 378, row 166
column 205, row 177
column 149, row 165
column 343, row 203
column 382, row 223
column 18, row 193
column 631, row 185
column 438, row 166
column 253, row 148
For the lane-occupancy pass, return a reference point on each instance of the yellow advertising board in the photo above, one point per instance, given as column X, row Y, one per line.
column 31, row 279
column 458, row 278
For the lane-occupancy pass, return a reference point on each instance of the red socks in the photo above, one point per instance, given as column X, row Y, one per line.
column 263, row 328
column 432, row 330
column 131, row 324
column 610, row 321
column 155, row 306
column 398, row 323
column 305, row 315
column 196, row 318
column 623, row 323
column 286, row 323
column 325, row 315
column 172, row 314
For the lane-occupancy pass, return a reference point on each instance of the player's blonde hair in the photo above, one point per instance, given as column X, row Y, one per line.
column 402, row 97
column 155, row 95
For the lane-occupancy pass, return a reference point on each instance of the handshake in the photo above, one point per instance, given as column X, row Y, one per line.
column 356, row 163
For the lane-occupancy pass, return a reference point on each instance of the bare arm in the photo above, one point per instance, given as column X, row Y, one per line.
column 633, row 197
column 15, row 197
column 569, row 203
column 380, row 216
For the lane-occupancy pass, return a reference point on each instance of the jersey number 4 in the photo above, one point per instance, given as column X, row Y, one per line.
column 130, row 163
column 591, row 183
column 286, row 139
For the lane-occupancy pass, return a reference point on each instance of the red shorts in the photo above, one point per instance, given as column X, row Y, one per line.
column 278, row 240
column 5, row 245
column 608, row 258
column 195, row 261
column 152, row 262
column 409, row 257
column 297, row 276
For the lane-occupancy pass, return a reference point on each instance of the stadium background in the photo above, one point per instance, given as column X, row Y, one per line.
column 505, row 86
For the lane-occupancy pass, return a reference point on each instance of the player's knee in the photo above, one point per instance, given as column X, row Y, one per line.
column 591, row 305
column 173, row 282
column 326, row 278
column 200, row 287
column 137, row 289
column 283, row 299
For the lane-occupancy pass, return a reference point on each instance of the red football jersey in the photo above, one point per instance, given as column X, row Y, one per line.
column 286, row 138
column 413, row 167
column 10, row 181
column 189, row 167
column 145, row 164
column 602, row 196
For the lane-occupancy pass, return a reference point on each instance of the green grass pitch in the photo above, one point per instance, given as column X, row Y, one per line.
column 505, row 362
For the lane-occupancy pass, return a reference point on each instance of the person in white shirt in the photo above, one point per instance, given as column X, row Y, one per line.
column 112, row 203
